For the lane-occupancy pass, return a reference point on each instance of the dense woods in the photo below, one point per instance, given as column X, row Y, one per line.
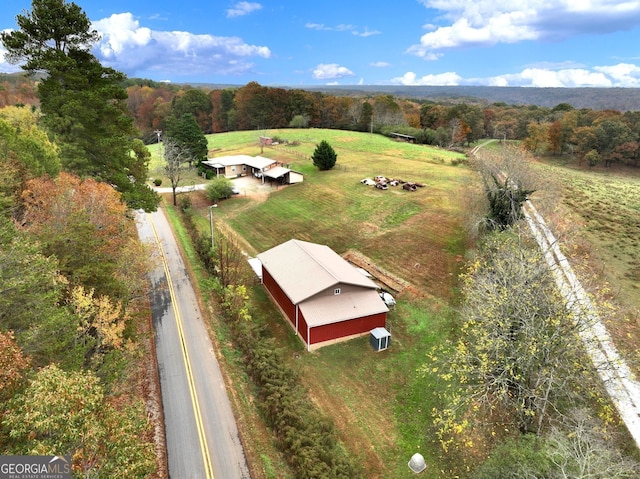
column 73, row 347
column 597, row 137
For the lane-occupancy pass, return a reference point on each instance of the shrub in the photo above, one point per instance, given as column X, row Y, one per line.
column 184, row 203
column 520, row 457
column 157, row 181
column 219, row 188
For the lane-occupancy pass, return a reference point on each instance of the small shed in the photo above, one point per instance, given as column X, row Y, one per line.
column 380, row 339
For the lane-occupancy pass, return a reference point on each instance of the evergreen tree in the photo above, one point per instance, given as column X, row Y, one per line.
column 324, row 156
column 186, row 134
column 84, row 104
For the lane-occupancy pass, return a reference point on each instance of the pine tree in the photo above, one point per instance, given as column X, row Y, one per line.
column 324, row 156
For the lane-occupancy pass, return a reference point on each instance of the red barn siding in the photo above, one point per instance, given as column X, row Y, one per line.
column 302, row 328
column 347, row 328
column 282, row 299
column 322, row 333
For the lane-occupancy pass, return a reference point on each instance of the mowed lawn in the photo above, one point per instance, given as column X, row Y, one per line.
column 379, row 402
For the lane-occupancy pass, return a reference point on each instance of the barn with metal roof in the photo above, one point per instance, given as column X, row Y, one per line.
column 324, row 297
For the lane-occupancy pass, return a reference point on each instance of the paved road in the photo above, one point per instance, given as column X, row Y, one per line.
column 202, row 436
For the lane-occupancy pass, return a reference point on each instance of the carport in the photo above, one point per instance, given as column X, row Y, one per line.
column 283, row 175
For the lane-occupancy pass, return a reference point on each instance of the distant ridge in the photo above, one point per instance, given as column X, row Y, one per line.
column 621, row 99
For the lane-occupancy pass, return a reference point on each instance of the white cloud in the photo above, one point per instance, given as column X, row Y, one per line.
column 343, row 27
column 243, row 8
column 380, row 64
column 410, row 78
column 466, row 23
column 330, row 71
column 131, row 48
column 622, row 75
column 366, row 32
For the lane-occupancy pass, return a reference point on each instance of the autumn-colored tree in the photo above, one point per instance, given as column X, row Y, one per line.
column 516, row 361
column 537, row 137
column 13, row 364
column 25, row 152
column 100, row 322
column 67, row 413
column 85, row 225
column 252, row 107
column 554, row 138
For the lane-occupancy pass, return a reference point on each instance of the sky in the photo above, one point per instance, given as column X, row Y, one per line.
column 535, row 43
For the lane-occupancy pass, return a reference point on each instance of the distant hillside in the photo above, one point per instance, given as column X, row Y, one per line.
column 622, row 99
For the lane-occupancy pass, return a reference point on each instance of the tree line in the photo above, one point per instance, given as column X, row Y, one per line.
column 73, row 294
column 72, row 289
column 521, row 396
column 593, row 136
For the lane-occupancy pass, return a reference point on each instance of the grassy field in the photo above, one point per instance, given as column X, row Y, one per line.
column 379, row 402
column 604, row 226
column 381, row 405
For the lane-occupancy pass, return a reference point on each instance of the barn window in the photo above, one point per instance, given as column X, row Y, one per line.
column 336, row 291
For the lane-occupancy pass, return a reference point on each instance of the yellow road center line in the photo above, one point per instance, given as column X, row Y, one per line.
column 204, row 448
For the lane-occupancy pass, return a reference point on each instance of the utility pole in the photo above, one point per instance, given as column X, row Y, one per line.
column 211, row 222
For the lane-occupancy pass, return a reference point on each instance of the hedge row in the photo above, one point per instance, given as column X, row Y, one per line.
column 307, row 439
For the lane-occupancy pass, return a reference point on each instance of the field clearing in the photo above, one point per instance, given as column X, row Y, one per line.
column 378, row 401
column 605, row 219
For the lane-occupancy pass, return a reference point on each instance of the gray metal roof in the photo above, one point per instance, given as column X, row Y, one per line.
column 258, row 162
column 303, row 269
column 276, row 172
column 343, row 307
